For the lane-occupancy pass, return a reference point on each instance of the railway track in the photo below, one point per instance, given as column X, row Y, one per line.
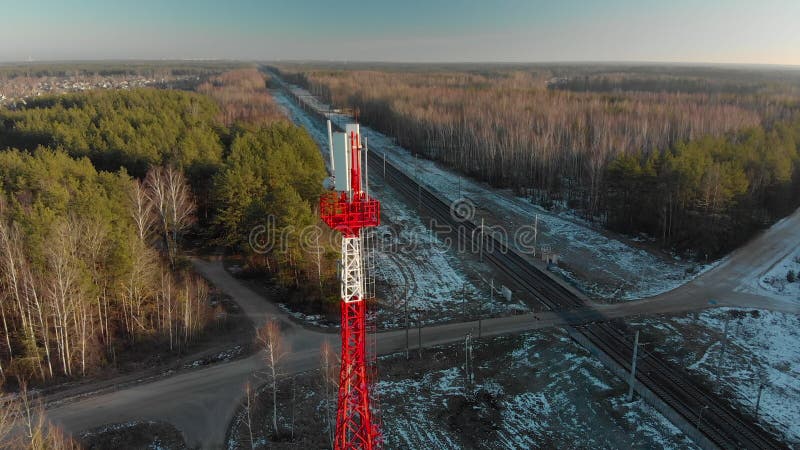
column 713, row 416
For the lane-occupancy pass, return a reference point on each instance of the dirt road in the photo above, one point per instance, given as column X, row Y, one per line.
column 734, row 282
column 202, row 402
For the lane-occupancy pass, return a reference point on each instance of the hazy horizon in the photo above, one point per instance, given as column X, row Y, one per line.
column 513, row 31
column 403, row 62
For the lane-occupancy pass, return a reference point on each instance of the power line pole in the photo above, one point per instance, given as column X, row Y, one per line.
column 468, row 364
column 419, row 331
column 406, row 308
column 366, row 166
column 722, row 351
column 480, row 242
column 700, row 416
column 632, row 380
column 758, row 401
column 419, row 187
column 464, row 300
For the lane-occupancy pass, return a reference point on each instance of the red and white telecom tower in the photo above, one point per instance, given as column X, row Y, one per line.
column 348, row 209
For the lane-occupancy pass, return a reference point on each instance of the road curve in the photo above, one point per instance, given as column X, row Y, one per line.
column 201, row 402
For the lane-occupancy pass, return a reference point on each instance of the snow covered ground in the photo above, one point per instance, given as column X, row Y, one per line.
column 602, row 264
column 412, row 264
column 538, row 390
column 775, row 280
column 149, row 434
column 762, row 348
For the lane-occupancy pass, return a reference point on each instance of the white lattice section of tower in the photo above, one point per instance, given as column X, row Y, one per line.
column 352, row 269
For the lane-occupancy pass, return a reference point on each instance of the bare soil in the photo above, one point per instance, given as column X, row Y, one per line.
column 226, row 338
column 134, row 436
column 538, row 390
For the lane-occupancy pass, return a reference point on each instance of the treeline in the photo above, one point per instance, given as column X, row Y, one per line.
column 626, row 83
column 266, row 197
column 148, row 69
column 81, row 276
column 558, row 146
column 243, row 98
column 708, row 194
column 96, row 206
column 265, row 192
column 130, row 129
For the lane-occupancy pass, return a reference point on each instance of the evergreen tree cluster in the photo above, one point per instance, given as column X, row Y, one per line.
column 272, row 178
column 132, row 129
column 707, row 195
column 97, row 190
column 698, row 160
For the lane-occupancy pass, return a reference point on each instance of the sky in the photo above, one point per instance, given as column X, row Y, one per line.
column 691, row 31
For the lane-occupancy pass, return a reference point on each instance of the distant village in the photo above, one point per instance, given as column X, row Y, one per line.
column 14, row 92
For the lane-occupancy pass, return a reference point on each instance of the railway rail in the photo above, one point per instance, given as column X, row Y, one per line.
column 712, row 415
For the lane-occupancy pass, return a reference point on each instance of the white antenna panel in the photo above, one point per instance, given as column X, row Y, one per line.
column 341, row 162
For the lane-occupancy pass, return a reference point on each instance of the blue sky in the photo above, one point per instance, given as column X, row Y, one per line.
column 738, row 31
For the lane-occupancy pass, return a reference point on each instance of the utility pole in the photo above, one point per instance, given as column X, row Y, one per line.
column 758, row 401
column 419, row 187
column 468, row 364
column 464, row 300
column 480, row 241
column 535, row 233
column 406, row 308
column 700, row 416
column 633, row 366
column 419, row 331
column 722, row 351
column 366, row 166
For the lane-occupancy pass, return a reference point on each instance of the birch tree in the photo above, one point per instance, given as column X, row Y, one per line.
column 275, row 350
column 142, row 210
column 329, row 379
column 172, row 202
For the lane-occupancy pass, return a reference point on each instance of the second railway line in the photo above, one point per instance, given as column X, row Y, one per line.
column 709, row 415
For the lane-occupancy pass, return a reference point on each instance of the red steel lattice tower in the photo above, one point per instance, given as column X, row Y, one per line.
column 349, row 210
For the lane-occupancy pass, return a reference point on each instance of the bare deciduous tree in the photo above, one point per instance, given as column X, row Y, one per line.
column 142, row 210
column 275, row 350
column 329, row 378
column 173, row 203
column 9, row 409
column 248, row 411
column 73, row 282
column 39, row 434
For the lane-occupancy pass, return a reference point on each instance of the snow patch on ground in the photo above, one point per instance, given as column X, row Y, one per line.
column 316, row 320
column 540, row 400
column 775, row 279
column 762, row 348
column 771, row 342
column 223, row 356
column 596, row 261
column 412, row 264
column 414, row 430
